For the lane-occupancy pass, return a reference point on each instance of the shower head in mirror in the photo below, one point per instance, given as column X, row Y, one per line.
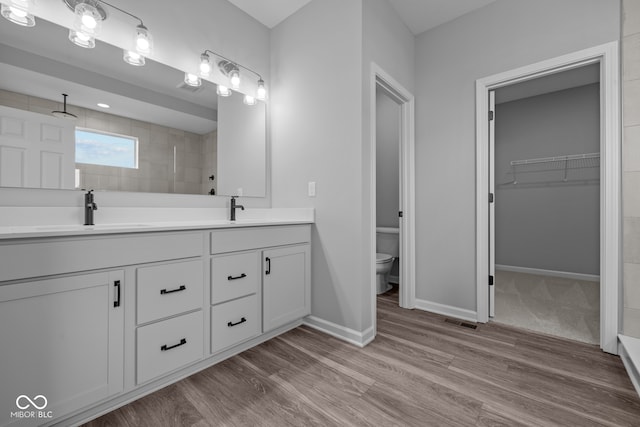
column 64, row 114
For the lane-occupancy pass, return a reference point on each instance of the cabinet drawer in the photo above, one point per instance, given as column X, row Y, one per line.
column 166, row 290
column 243, row 239
column 234, row 322
column 168, row 345
column 234, row 276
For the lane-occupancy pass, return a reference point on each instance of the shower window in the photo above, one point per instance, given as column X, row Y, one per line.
column 107, row 149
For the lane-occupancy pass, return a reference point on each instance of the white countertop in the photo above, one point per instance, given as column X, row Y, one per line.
column 34, row 231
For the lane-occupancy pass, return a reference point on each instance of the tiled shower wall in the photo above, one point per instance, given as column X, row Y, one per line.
column 631, row 165
column 157, row 146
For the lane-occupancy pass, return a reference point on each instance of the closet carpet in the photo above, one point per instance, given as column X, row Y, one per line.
column 421, row 370
column 558, row 306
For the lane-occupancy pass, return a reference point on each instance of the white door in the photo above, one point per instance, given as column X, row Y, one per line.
column 36, row 150
column 492, row 202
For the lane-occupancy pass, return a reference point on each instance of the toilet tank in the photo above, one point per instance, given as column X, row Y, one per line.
column 388, row 241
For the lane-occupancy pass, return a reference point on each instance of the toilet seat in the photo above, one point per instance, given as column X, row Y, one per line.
column 382, row 258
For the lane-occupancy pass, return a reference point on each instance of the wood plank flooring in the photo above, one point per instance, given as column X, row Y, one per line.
column 419, row 371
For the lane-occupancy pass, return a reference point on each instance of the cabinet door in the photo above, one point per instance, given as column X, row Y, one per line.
column 286, row 285
column 61, row 345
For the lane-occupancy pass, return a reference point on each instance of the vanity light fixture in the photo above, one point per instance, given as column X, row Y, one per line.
column 19, row 12
column 133, row 58
column 231, row 69
column 192, row 80
column 89, row 17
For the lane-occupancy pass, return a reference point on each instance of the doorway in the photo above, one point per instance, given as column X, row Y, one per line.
column 382, row 84
column 544, row 220
column 606, row 58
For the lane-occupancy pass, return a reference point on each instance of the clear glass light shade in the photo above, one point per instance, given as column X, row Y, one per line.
column 261, row 93
column 87, row 20
column 192, row 79
column 205, row 65
column 133, row 58
column 82, row 39
column 234, row 79
column 249, row 100
column 144, row 41
column 19, row 12
column 223, row 91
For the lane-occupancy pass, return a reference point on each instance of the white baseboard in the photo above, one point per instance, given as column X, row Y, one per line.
column 629, row 350
column 552, row 273
column 341, row 332
column 447, row 310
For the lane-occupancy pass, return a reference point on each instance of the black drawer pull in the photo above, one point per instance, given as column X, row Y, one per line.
column 268, row 261
column 181, row 288
column 230, row 324
column 116, row 284
column 183, row 341
column 242, row 276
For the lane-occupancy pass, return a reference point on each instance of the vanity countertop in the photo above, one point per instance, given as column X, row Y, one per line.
column 36, row 231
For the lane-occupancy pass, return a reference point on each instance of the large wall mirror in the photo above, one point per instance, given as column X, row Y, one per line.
column 158, row 134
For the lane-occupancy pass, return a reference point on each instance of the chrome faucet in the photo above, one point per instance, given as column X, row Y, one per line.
column 89, row 207
column 232, row 215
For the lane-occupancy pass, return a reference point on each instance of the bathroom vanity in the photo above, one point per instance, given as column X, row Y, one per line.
column 95, row 317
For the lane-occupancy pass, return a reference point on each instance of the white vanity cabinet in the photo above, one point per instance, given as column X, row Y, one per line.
column 61, row 345
column 89, row 322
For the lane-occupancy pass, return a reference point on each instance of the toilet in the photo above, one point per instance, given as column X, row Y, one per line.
column 387, row 248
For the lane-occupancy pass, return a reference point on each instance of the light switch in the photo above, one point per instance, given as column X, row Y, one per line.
column 312, row 189
column 239, row 192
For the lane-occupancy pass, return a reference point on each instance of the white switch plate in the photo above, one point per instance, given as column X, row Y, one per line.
column 239, row 192
column 312, row 189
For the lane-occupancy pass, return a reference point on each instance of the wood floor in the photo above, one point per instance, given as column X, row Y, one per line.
column 420, row 371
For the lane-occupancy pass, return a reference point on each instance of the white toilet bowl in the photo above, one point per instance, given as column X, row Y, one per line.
column 384, row 262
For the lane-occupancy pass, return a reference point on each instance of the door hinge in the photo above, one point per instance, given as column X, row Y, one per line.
column 490, row 197
column 400, row 214
column 490, row 115
column 490, row 280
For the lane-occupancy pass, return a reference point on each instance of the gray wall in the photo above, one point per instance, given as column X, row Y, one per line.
column 387, row 160
column 543, row 221
column 502, row 36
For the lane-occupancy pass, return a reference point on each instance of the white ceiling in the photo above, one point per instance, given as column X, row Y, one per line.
column 418, row 15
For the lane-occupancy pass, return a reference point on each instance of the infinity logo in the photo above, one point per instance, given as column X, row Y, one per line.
column 23, row 397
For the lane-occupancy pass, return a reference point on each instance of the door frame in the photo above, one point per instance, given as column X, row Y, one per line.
column 405, row 99
column 610, row 180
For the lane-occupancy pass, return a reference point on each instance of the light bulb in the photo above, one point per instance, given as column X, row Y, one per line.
column 88, row 20
column 249, row 100
column 261, row 93
column 205, row 65
column 223, row 91
column 82, row 39
column 133, row 58
column 144, row 41
column 234, row 79
column 17, row 11
column 192, row 80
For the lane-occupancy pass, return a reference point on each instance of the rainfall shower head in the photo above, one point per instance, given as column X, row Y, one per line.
column 64, row 114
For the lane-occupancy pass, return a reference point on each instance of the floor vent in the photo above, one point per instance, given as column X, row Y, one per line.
column 460, row 323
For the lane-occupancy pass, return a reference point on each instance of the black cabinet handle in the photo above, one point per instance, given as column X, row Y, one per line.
column 183, row 341
column 116, row 284
column 268, row 260
column 242, row 276
column 181, row 288
column 230, row 324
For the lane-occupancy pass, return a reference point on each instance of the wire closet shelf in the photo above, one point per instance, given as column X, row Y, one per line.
column 558, row 163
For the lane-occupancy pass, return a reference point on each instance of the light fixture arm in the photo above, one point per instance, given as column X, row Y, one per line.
column 122, row 10
column 233, row 62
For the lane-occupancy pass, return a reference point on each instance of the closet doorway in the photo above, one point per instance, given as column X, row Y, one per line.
column 605, row 58
column 545, row 217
